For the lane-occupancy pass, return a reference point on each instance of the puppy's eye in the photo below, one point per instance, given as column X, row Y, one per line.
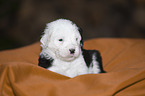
column 60, row 40
column 76, row 39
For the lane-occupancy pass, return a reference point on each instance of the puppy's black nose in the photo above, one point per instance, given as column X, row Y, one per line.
column 72, row 51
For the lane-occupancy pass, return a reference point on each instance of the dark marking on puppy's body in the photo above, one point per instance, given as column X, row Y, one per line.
column 88, row 57
column 45, row 63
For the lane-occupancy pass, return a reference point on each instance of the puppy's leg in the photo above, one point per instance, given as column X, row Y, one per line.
column 94, row 61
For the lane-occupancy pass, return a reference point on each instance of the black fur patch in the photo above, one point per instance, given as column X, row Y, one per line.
column 88, row 55
column 81, row 32
column 45, row 63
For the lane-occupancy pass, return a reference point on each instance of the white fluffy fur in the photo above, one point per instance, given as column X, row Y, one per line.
column 59, row 37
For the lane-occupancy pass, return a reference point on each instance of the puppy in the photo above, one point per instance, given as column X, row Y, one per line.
column 63, row 53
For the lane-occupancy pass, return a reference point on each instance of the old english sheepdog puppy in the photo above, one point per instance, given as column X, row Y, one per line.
column 63, row 53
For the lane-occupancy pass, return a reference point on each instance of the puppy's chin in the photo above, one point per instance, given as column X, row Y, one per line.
column 68, row 58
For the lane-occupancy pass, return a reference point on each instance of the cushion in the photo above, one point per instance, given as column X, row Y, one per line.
column 123, row 59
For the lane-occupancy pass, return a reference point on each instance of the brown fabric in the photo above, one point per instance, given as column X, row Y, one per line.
column 123, row 59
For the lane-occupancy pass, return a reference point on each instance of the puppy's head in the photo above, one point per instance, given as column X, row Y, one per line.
column 62, row 40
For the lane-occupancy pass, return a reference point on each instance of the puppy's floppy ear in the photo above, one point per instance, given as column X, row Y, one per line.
column 45, row 37
column 44, row 40
column 81, row 33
